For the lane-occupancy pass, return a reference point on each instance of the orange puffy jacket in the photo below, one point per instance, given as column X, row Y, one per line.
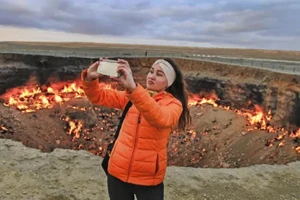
column 140, row 152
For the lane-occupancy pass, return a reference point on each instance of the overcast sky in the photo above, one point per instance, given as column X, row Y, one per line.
column 268, row 24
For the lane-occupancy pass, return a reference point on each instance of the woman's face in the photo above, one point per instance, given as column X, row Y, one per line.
column 156, row 79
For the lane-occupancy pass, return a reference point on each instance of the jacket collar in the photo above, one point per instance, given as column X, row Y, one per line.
column 158, row 95
column 152, row 93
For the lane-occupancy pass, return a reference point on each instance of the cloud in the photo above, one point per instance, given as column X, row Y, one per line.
column 258, row 24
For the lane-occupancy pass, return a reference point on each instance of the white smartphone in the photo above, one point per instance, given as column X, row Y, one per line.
column 108, row 67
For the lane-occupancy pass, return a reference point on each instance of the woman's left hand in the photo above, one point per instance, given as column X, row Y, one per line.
column 126, row 77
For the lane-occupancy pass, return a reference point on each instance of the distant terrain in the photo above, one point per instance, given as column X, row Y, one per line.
column 230, row 52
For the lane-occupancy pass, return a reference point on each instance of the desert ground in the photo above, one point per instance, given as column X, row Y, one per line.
column 96, row 47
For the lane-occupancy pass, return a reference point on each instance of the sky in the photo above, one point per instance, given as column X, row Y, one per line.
column 260, row 24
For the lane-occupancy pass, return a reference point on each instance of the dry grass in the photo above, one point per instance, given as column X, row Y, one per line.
column 82, row 46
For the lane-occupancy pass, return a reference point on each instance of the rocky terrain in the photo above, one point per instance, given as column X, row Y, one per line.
column 28, row 173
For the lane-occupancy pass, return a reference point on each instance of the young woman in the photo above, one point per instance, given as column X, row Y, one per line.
column 138, row 161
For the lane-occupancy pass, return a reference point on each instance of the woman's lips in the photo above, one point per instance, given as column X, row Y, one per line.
column 150, row 82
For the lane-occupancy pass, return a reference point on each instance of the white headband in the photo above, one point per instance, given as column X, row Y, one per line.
column 168, row 70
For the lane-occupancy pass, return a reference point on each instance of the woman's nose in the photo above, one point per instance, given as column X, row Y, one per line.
column 152, row 76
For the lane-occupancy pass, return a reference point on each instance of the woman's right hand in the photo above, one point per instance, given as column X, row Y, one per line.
column 92, row 71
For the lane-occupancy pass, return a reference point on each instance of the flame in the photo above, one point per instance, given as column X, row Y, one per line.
column 297, row 149
column 3, row 128
column 193, row 134
column 281, row 143
column 256, row 119
column 295, row 135
column 74, row 127
column 197, row 100
column 58, row 98
column 280, row 137
column 32, row 98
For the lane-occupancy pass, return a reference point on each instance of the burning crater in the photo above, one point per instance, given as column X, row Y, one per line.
column 237, row 121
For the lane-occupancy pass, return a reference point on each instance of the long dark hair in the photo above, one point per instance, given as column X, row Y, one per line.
column 179, row 91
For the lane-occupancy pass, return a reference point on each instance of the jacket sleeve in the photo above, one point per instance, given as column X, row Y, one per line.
column 101, row 96
column 155, row 114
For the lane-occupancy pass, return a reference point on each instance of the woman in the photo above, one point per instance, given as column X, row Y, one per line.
column 138, row 161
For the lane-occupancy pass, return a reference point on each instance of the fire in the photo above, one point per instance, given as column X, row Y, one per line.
column 295, row 135
column 256, row 119
column 32, row 98
column 297, row 149
column 3, row 128
column 197, row 100
column 74, row 127
column 26, row 93
column 29, row 99
column 281, row 143
column 193, row 134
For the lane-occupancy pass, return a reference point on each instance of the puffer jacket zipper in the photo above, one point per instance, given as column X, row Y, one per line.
column 134, row 145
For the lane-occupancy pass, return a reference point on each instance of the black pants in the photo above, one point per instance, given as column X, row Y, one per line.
column 119, row 190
